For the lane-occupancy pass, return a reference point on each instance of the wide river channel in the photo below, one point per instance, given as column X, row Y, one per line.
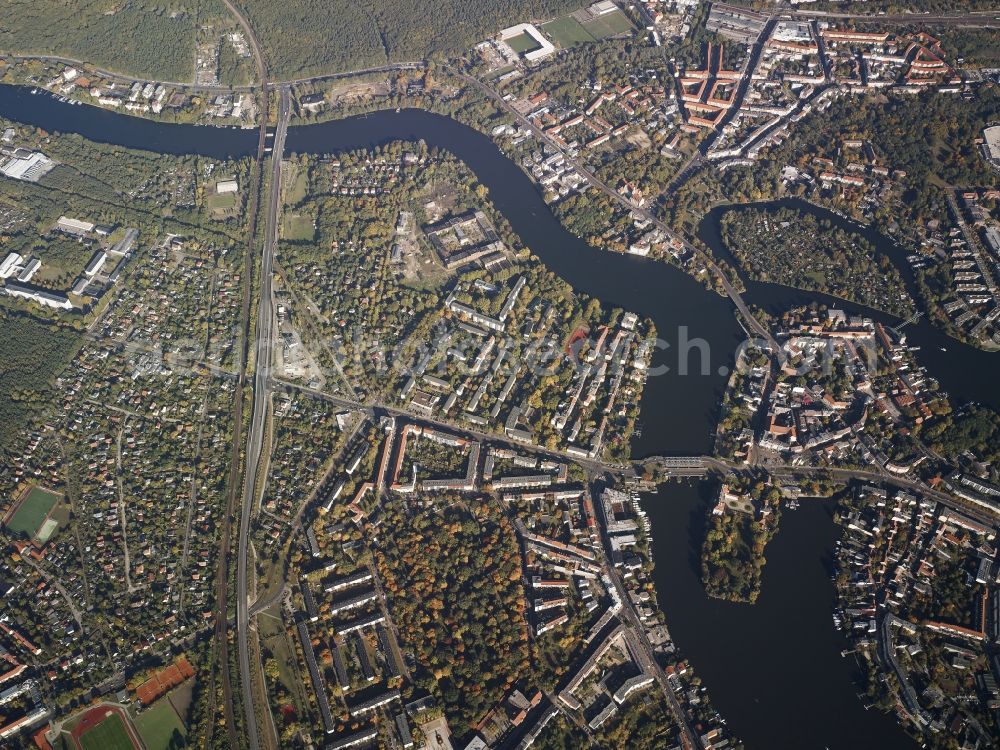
column 774, row 669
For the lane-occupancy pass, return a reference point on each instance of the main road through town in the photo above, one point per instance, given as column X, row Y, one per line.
column 261, row 384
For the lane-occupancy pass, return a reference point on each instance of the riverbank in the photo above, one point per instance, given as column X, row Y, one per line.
column 774, row 668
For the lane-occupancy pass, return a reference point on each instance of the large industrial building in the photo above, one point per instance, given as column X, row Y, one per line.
column 21, row 164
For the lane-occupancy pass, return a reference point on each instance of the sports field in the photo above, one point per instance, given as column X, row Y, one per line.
column 566, row 32
column 298, row 227
column 160, row 727
column 110, row 734
column 30, row 515
column 523, row 43
column 608, row 25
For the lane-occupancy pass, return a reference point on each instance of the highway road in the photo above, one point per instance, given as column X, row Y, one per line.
column 221, row 656
column 235, row 466
column 258, row 421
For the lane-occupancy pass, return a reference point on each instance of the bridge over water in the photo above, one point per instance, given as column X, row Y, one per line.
column 677, row 466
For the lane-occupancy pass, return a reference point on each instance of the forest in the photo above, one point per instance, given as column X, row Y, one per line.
column 303, row 37
column 973, row 428
column 454, row 583
column 33, row 353
column 732, row 556
column 153, row 39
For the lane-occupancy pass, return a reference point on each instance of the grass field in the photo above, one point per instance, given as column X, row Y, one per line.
column 297, row 185
column 523, row 43
column 566, row 32
column 608, row 25
column 110, row 734
column 160, row 727
column 298, row 228
column 222, row 201
column 32, row 512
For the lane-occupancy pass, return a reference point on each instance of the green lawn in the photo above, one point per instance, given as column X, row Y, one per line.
column 298, row 185
column 609, row 25
column 32, row 512
column 160, row 727
column 222, row 201
column 566, row 32
column 523, row 43
column 110, row 734
column 299, row 228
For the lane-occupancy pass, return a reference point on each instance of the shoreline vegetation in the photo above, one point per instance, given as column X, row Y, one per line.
column 741, row 524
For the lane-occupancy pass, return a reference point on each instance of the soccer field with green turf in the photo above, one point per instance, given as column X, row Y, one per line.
column 566, row 31
column 110, row 734
column 32, row 511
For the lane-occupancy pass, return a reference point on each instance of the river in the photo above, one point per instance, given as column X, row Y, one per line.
column 773, row 669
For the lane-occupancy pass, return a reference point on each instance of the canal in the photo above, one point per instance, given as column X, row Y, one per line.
column 773, row 669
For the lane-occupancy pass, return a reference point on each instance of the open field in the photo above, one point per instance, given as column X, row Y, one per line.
column 222, row 201
column 160, row 727
column 298, row 228
column 296, row 183
column 181, row 697
column 30, row 515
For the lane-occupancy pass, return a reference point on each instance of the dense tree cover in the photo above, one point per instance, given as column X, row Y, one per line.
column 607, row 62
column 643, row 723
column 562, row 734
column 454, row 583
column 595, row 217
column 312, row 36
column 154, row 39
column 974, row 428
column 931, row 137
column 33, row 353
column 732, row 557
column 796, row 248
column 975, row 46
column 951, row 598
